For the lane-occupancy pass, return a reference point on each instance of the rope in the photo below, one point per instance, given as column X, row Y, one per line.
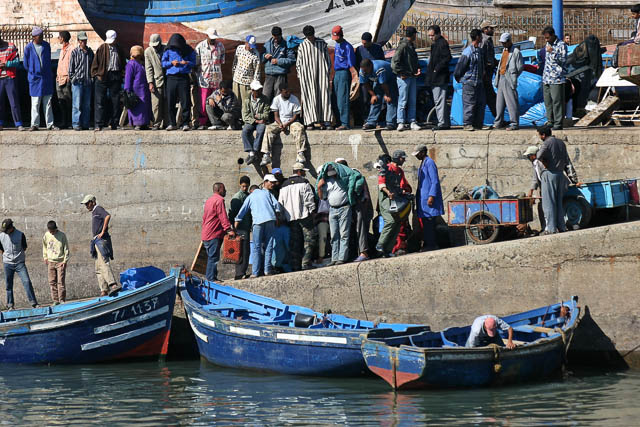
column 360, row 289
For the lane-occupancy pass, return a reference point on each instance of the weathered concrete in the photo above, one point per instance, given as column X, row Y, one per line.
column 452, row 286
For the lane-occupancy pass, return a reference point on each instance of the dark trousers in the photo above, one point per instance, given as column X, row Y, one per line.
column 21, row 269
column 8, row 86
column 64, row 102
column 490, row 96
column 113, row 84
column 272, row 85
column 213, row 256
column 473, row 105
column 241, row 269
column 178, row 89
column 248, row 141
column 554, row 103
column 429, row 233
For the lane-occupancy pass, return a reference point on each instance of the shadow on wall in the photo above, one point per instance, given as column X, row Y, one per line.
column 591, row 347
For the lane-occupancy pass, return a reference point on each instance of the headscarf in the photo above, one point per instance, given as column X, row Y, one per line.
column 179, row 44
column 137, row 53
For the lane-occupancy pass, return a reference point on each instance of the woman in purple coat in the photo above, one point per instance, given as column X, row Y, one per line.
column 135, row 80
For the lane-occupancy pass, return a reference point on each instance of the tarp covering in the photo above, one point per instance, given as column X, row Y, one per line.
column 135, row 278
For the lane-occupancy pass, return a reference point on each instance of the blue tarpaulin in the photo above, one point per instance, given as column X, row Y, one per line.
column 135, row 278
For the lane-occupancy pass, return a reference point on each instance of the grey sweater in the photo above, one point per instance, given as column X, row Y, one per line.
column 13, row 246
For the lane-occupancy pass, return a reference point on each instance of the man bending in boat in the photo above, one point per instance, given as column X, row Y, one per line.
column 484, row 331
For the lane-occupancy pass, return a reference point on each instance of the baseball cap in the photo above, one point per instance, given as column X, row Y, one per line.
column 505, row 37
column 336, row 32
column 299, row 167
column 490, row 326
column 212, row 33
column 487, row 23
column 419, row 149
column 6, row 224
column 36, row 31
column 251, row 40
column 255, row 85
column 340, row 159
column 111, row 37
column 270, row 177
column 154, row 40
column 399, row 153
column 531, row 150
column 276, row 171
column 82, row 35
column 87, row 199
column 366, row 37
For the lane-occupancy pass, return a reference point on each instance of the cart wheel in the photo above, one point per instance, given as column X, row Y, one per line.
column 577, row 212
column 482, row 228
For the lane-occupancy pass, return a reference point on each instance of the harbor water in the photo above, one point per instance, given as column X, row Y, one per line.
column 197, row 393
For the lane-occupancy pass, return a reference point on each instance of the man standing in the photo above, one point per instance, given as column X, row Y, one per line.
column 553, row 155
column 101, row 246
column 80, row 78
column 286, row 110
column 108, row 70
column 278, row 59
column 554, row 77
column 380, row 84
column 368, row 50
column 314, row 68
column 210, row 57
column 55, row 251
column 489, row 51
column 224, row 108
column 405, row 65
column 429, row 205
column 12, row 245
column 246, row 68
column 215, row 224
column 438, row 76
column 344, row 63
column 263, row 208
column 299, row 202
column 340, row 215
column 63, row 86
column 255, row 115
column 470, row 72
column 509, row 69
column 243, row 230
column 536, row 180
column 37, row 61
column 9, row 60
column 155, row 78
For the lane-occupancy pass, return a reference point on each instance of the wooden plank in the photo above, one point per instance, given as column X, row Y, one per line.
column 600, row 113
column 199, row 264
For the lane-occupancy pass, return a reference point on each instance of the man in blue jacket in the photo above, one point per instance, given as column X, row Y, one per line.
column 470, row 72
column 37, row 61
column 429, row 203
column 277, row 60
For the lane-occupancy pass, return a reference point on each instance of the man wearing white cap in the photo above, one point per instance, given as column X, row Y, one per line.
column 246, row 67
column 210, row 55
column 255, row 115
column 263, row 208
column 108, row 70
column 37, row 61
column 484, row 331
column 155, row 78
column 510, row 67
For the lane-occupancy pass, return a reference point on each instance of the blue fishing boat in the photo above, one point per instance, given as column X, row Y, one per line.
column 239, row 329
column 440, row 360
column 132, row 324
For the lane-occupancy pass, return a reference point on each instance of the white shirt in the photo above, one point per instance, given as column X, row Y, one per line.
column 287, row 108
column 478, row 334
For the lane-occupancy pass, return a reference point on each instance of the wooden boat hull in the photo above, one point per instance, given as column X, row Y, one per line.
column 134, row 324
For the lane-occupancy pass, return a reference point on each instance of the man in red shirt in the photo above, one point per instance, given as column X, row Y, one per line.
column 215, row 224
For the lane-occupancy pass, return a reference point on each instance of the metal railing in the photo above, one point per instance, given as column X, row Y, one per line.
column 20, row 35
column 609, row 28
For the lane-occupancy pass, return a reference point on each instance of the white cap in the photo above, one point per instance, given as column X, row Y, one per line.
column 505, row 37
column 340, row 159
column 270, row 177
column 212, row 33
column 111, row 37
column 255, row 85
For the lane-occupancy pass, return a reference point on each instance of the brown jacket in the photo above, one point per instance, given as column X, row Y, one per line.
column 101, row 61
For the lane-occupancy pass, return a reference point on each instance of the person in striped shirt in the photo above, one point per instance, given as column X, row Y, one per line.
column 80, row 78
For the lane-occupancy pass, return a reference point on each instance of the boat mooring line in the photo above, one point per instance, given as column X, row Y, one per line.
column 360, row 288
column 137, row 319
column 123, row 337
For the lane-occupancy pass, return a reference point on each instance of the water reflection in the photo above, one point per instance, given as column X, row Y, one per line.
column 201, row 394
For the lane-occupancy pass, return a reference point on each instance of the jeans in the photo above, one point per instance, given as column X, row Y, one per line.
column 262, row 247
column 21, row 269
column 8, row 86
column 392, row 107
column 341, row 86
column 113, row 84
column 554, row 186
column 340, row 226
column 442, row 108
column 81, row 101
column 213, row 256
column 407, row 100
column 35, row 110
column 248, row 141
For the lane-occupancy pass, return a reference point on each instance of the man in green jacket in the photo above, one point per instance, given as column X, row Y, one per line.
column 244, row 228
column 405, row 65
column 255, row 115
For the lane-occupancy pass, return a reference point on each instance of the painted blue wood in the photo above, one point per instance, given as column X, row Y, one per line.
column 603, row 194
column 238, row 329
column 440, row 360
column 94, row 330
column 505, row 210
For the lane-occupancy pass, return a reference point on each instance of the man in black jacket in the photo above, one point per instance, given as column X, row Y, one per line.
column 490, row 56
column 438, row 75
column 404, row 64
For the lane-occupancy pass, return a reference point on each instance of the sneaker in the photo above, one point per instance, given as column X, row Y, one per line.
column 21, row 128
column 34, row 305
column 368, row 126
column 339, row 262
column 185, row 128
column 155, row 127
column 250, row 159
column 137, row 128
column 78, row 128
column 266, row 159
column 52, row 127
column 442, row 127
column 307, row 267
column 487, row 127
column 170, row 128
column 415, row 126
column 229, row 128
column 401, row 127
column 33, row 128
column 468, row 128
column 300, row 158
column 215, row 127
column 390, row 127
column 513, row 127
column 10, row 307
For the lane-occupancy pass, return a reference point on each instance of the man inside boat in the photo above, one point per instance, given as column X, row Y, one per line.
column 484, row 331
